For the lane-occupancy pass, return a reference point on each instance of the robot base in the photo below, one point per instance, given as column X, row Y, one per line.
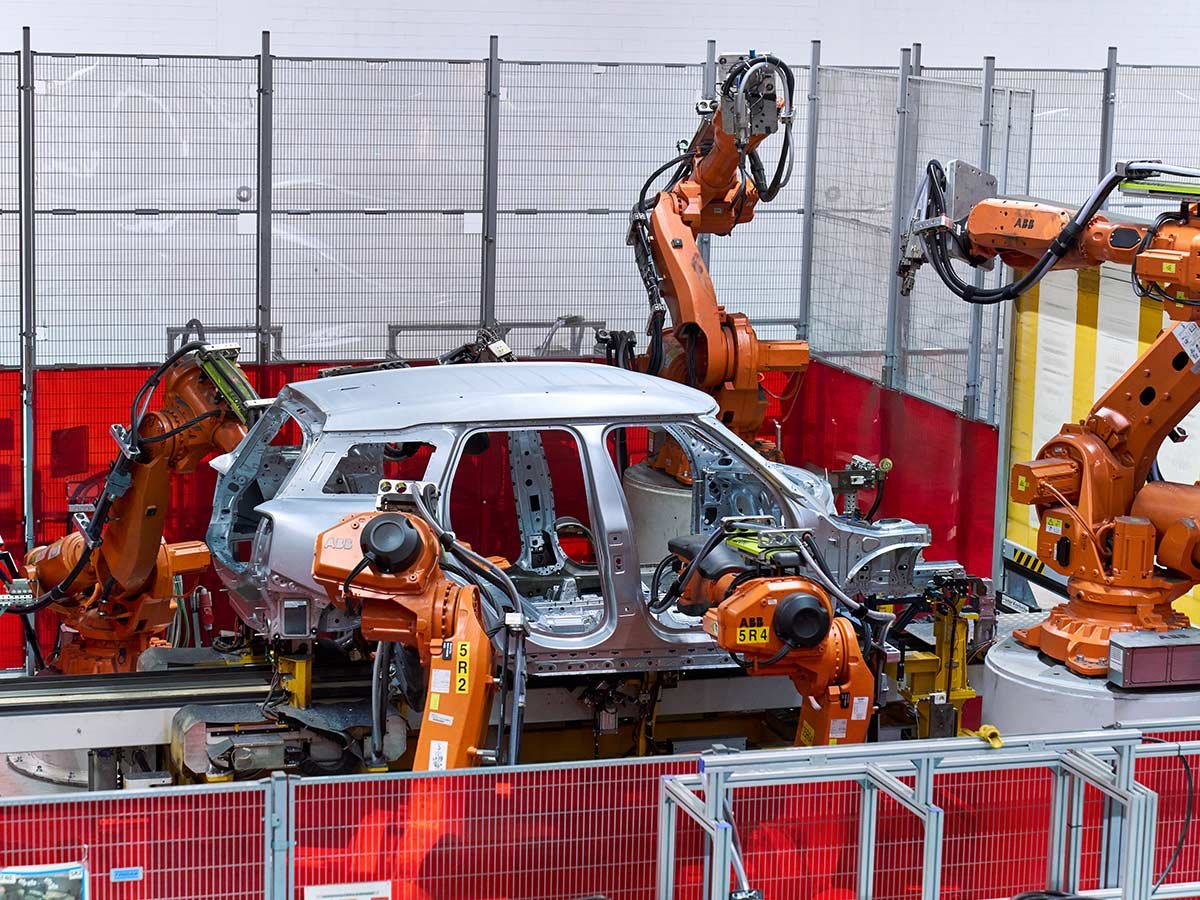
column 1026, row 693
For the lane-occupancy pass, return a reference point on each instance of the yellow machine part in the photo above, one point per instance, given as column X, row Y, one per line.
column 942, row 672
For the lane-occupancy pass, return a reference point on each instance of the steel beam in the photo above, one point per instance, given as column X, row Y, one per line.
column 808, row 223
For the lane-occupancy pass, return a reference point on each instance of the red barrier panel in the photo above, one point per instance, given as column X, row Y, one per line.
column 944, row 476
column 945, row 465
column 186, row 845
column 534, row 834
column 1168, row 776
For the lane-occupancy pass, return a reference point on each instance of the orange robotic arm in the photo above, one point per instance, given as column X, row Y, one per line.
column 384, row 566
column 1129, row 546
column 786, row 626
column 775, row 621
column 112, row 580
column 710, row 193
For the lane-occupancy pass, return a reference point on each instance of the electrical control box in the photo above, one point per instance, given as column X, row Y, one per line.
column 1144, row 659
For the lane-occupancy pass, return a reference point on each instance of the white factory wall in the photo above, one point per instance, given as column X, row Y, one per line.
column 1044, row 33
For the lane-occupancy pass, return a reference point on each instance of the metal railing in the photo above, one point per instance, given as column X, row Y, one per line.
column 1100, row 813
column 1092, row 799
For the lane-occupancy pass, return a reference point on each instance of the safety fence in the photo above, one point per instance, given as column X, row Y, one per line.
column 1106, row 812
column 1101, row 811
column 335, row 210
column 318, row 211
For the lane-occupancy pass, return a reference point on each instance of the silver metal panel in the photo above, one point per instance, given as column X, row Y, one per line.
column 484, row 392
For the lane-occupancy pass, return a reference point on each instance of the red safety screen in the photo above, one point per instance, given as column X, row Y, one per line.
column 944, row 474
column 536, row 834
column 173, row 846
column 945, row 465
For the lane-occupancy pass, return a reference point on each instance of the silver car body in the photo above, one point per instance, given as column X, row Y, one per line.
column 270, row 505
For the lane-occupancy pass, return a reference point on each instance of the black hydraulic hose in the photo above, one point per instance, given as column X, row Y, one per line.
column 656, row 582
column 518, row 709
column 380, row 676
column 503, row 691
column 938, row 255
column 644, row 204
column 875, row 503
column 142, row 398
column 470, row 577
column 472, row 560
column 179, row 429
column 654, row 353
column 677, row 586
column 359, row 568
column 32, row 645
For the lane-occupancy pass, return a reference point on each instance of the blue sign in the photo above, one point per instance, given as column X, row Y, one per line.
column 128, row 873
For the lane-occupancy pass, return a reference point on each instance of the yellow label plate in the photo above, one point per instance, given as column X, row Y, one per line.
column 753, row 635
column 462, row 668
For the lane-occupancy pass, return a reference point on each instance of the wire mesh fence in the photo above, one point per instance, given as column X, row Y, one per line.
column 1157, row 116
column 1065, row 138
column 937, row 339
column 376, row 203
column 576, row 143
column 145, row 168
column 175, row 846
column 852, row 239
column 147, row 209
column 527, row 834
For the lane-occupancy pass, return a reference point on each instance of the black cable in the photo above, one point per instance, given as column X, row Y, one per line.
column 875, row 503
column 159, row 438
column 939, row 257
column 689, row 355
column 676, row 589
column 518, row 703
column 32, row 644
column 359, row 568
column 1187, row 816
column 656, row 581
column 141, row 399
column 654, row 353
column 472, row 560
column 775, row 657
column 643, row 204
column 380, row 677
column 500, row 721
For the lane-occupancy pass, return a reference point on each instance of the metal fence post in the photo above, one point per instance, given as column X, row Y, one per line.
column 975, row 335
column 868, row 817
column 28, row 316
column 808, row 224
column 665, row 883
column 28, row 289
column 708, row 91
column 262, row 315
column 491, row 149
column 277, row 834
column 1108, row 114
column 931, row 856
column 895, row 331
